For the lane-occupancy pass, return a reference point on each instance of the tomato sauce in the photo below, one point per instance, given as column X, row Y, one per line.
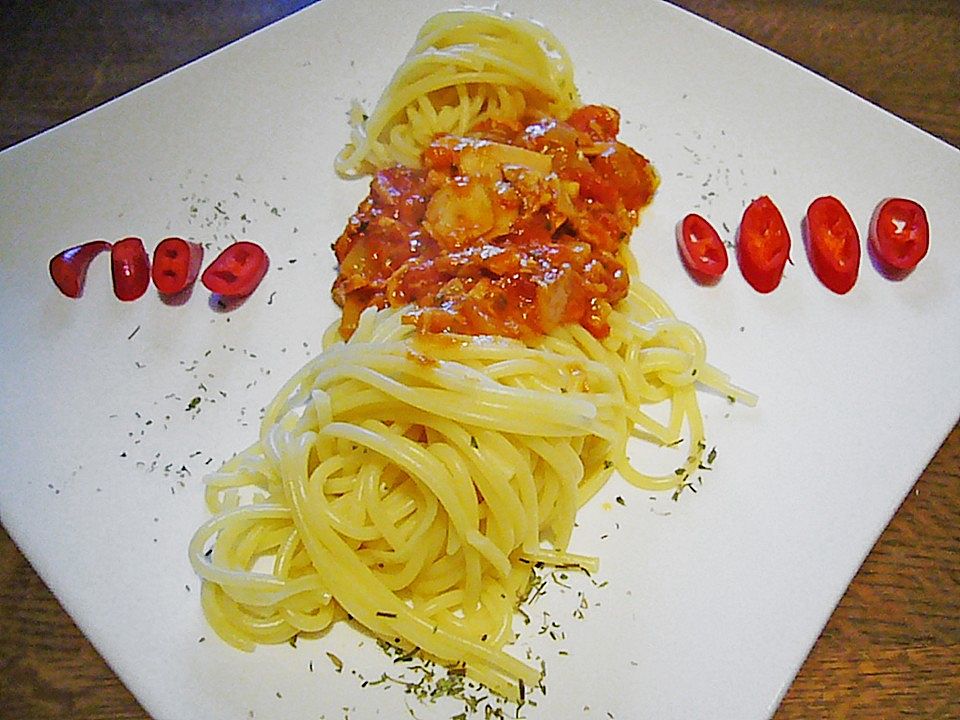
column 510, row 230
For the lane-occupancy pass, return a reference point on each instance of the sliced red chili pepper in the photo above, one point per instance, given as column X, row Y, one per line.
column 702, row 250
column 237, row 271
column 176, row 264
column 131, row 268
column 763, row 245
column 899, row 236
column 833, row 244
column 69, row 268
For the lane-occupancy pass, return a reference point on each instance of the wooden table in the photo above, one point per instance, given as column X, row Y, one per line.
column 891, row 649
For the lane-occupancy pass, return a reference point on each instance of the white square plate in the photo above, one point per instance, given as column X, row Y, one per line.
column 704, row 607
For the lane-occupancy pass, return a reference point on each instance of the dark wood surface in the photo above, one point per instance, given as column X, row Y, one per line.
column 891, row 648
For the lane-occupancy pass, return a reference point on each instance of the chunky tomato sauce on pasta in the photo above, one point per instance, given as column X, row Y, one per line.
column 509, row 230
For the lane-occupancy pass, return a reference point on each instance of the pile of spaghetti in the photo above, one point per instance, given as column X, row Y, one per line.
column 495, row 355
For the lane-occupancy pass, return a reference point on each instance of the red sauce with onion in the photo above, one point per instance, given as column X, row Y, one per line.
column 510, row 230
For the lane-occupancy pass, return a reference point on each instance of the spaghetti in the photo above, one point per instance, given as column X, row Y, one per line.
column 411, row 475
column 466, row 67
